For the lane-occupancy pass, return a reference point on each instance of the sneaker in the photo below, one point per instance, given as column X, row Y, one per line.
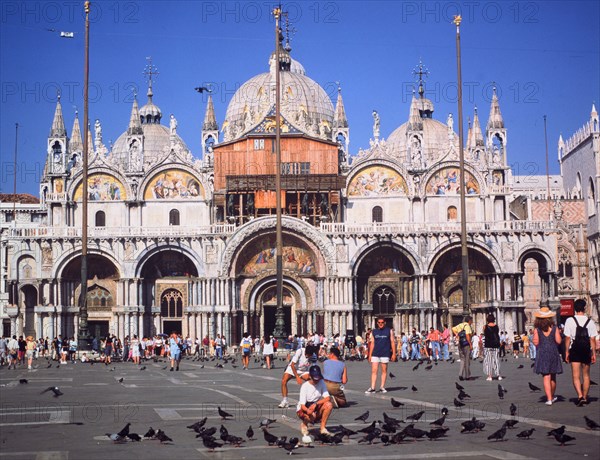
column 171, row 369
column 383, row 390
column 284, row 403
column 325, row 432
column 370, row 390
column 29, row 367
column 548, row 403
column 303, row 429
column 499, row 377
column 580, row 402
column 554, row 399
column 489, row 379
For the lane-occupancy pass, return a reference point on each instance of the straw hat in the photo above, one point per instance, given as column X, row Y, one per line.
column 544, row 312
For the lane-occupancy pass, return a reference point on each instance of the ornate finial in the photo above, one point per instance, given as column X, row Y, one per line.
column 457, row 20
column 277, row 11
column 475, row 110
column 422, row 72
column 86, row 7
column 149, row 71
column 58, row 95
column 339, row 88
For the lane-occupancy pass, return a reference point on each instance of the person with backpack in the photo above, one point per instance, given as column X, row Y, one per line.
column 246, row 349
column 580, row 345
column 463, row 332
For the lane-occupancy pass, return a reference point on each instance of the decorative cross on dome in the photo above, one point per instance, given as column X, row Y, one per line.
column 421, row 71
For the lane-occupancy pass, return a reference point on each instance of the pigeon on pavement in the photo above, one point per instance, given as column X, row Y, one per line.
column 223, row 414
column 54, row 390
column 498, row 435
column 526, row 434
column 363, row 417
column 532, row 387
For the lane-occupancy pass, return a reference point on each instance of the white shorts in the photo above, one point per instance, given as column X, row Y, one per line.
column 377, row 359
column 289, row 371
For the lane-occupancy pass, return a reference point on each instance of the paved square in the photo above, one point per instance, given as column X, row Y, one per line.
column 73, row 426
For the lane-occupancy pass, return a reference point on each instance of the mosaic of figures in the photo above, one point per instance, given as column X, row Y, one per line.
column 377, row 181
column 173, row 184
column 446, row 180
column 260, row 257
column 102, row 187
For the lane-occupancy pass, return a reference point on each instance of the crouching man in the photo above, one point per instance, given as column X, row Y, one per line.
column 314, row 404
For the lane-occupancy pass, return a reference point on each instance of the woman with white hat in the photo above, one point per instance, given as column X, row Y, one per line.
column 546, row 337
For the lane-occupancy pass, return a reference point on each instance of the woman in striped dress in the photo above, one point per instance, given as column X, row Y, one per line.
column 491, row 364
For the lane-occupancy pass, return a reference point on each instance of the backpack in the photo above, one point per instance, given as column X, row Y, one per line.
column 581, row 344
column 462, row 338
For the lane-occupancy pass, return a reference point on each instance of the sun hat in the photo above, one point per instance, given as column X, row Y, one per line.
column 315, row 372
column 544, row 312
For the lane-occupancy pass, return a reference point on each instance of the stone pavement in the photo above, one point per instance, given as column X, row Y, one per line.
column 73, row 426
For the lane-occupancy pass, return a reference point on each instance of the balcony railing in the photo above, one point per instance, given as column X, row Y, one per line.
column 105, row 232
column 383, row 228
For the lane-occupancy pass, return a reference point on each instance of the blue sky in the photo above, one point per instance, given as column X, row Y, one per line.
column 543, row 57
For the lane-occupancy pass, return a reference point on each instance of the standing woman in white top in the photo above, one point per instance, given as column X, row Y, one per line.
column 267, row 350
column 135, row 349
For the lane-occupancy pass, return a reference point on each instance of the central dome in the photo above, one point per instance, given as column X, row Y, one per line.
column 304, row 104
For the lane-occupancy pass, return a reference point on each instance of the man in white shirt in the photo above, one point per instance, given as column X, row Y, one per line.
column 314, row 403
column 582, row 356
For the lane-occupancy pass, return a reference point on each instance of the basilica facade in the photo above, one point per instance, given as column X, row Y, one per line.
column 185, row 242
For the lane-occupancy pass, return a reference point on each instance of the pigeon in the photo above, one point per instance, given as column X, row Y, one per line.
column 501, row 391
column 415, row 417
column 396, row 403
column 23, row 381
column 391, row 420
column 162, row 436
column 520, row 366
column 389, row 428
column 54, row 390
column 563, row 438
column 134, row 437
column 592, row 425
column 439, row 422
column 513, row 409
column 469, row 426
column 428, row 368
column 555, row 431
column 444, row 411
column 150, row 433
column 416, row 367
column 270, row 438
column 459, row 387
column 233, row 440
column 201, row 89
column 115, row 438
column 223, row 414
column 369, row 429
column 414, row 388
column 346, row 432
column 206, row 433
column 363, row 417
column 413, row 432
column 223, row 431
column 290, row 445
column 199, row 424
column 532, row 364
column 511, row 423
column 398, row 438
column 371, row 436
column 526, row 434
column 385, row 439
column 266, row 422
column 532, row 387
column 125, row 431
column 250, row 433
column 211, row 444
column 121, row 380
column 498, row 435
column 436, row 433
column 143, row 368
column 462, row 395
column 392, row 376
column 457, row 403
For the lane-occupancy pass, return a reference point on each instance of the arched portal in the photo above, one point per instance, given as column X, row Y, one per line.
column 385, row 282
column 167, row 281
column 103, row 277
column 448, row 277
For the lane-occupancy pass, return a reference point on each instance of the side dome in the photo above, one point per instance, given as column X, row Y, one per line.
column 434, row 137
column 157, row 144
column 304, row 103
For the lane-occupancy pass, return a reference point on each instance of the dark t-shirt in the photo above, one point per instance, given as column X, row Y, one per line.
column 492, row 336
column 382, row 347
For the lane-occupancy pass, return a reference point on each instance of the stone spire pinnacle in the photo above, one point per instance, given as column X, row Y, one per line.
column 495, row 120
column 76, row 143
column 90, row 142
column 339, row 119
column 135, row 125
column 469, row 133
column 415, row 122
column 58, row 124
column 477, row 135
column 210, row 121
column 593, row 113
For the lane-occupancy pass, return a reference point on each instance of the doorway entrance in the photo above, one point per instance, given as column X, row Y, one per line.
column 170, row 326
column 270, row 318
column 98, row 328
